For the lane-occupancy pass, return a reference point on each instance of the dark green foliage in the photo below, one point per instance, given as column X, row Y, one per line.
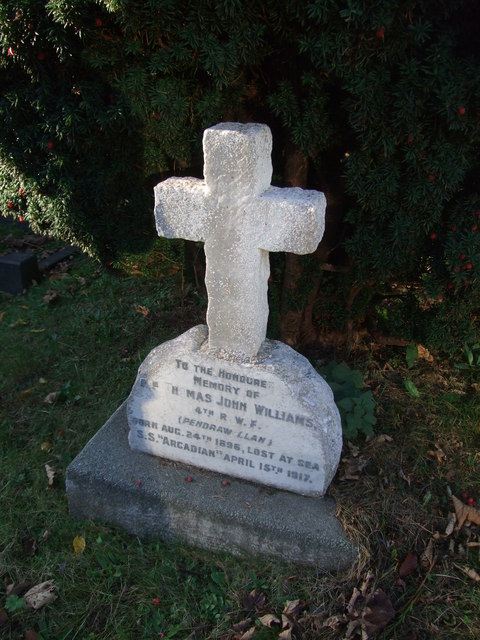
column 101, row 99
column 356, row 406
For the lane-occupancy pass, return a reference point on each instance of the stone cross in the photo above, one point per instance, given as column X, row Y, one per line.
column 240, row 218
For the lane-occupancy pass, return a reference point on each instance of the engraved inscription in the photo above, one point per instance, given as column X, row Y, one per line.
column 215, row 416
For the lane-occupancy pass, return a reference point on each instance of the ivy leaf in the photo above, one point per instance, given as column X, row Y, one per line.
column 13, row 603
column 411, row 388
column 411, row 355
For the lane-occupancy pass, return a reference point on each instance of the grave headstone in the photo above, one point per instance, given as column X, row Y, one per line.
column 247, row 419
column 223, row 398
column 17, row 271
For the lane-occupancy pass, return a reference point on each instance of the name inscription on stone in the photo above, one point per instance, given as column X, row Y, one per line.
column 227, row 418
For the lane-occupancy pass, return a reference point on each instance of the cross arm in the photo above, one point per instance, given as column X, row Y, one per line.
column 291, row 219
column 180, row 210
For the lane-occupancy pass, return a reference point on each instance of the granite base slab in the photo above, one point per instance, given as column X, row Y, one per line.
column 151, row 497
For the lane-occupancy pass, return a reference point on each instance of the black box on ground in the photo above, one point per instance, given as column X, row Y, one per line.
column 17, row 271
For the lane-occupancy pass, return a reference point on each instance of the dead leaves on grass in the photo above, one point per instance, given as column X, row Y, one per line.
column 287, row 623
column 465, row 513
column 368, row 612
column 24, row 595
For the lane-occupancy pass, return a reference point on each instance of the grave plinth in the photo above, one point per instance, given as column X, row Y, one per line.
column 221, row 401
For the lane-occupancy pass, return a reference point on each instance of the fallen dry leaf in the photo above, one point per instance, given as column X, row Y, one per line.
column 427, row 558
column 51, row 475
column 46, row 446
column 452, row 519
column 286, row 634
column 293, row 608
column 351, row 468
column 26, row 392
column 29, row 546
column 31, row 635
column 40, row 595
column 438, row 453
column 401, row 474
column 381, row 438
column 335, row 622
column 352, row 628
column 18, row 589
column 242, row 625
column 465, row 513
column 254, row 600
column 142, row 310
column 248, row 635
column 409, row 565
column 471, row 573
column 366, row 583
column 424, row 354
column 378, row 613
column 50, row 296
column 2, row 315
column 356, row 594
column 79, row 544
column 52, row 397
column 269, row 620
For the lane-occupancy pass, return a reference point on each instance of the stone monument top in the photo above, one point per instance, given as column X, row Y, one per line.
column 240, row 218
column 223, row 397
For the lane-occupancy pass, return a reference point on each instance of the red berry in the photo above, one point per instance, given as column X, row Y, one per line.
column 462, row 257
column 50, row 144
column 138, row 483
column 156, row 601
column 431, row 177
column 475, row 228
column 433, row 236
column 98, row 22
column 461, row 111
column 471, row 502
column 10, row 205
column 453, row 227
column 20, row 218
column 10, row 51
column 41, row 56
column 464, row 495
column 20, row 192
column 381, row 33
column 225, row 483
column 450, row 285
column 469, row 266
column 189, row 479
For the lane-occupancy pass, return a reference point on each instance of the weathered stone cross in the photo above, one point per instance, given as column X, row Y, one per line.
column 240, row 218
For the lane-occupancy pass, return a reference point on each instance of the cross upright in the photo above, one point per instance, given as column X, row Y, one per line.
column 240, row 218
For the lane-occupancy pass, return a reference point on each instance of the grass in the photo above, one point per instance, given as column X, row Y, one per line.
column 80, row 335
